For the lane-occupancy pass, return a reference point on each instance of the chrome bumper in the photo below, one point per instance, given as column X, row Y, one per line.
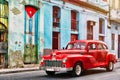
column 56, row 69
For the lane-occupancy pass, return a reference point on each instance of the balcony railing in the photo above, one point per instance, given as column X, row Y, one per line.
column 56, row 22
column 74, row 24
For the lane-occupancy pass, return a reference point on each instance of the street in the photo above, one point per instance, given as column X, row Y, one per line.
column 93, row 74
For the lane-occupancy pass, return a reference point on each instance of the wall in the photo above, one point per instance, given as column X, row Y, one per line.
column 65, row 25
column 16, row 33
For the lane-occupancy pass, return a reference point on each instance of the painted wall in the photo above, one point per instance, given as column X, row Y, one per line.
column 109, row 37
column 65, row 23
column 47, row 26
column 65, row 27
column 16, row 34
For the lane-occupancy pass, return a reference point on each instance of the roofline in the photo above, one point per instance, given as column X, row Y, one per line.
column 89, row 6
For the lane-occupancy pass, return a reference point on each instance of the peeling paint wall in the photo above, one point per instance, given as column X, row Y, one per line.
column 17, row 34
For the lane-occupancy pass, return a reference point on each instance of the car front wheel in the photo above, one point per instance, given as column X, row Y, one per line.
column 77, row 70
column 110, row 66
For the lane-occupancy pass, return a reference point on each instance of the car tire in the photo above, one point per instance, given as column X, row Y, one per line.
column 77, row 70
column 50, row 73
column 110, row 66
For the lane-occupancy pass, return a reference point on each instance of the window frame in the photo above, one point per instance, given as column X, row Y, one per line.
column 56, row 16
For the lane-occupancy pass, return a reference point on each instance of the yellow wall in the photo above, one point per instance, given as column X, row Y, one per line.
column 114, row 4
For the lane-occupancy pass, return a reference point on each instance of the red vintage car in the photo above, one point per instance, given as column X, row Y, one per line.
column 78, row 56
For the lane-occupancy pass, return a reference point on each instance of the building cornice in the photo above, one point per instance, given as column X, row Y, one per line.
column 116, row 20
column 87, row 5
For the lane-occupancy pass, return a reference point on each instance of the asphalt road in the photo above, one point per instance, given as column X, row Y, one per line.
column 94, row 74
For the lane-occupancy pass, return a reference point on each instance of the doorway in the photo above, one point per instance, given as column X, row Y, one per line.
column 55, row 41
column 31, row 35
column 118, row 46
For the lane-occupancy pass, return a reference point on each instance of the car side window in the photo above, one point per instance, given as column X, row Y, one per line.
column 100, row 47
column 105, row 47
column 92, row 46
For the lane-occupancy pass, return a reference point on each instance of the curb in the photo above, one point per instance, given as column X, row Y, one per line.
column 16, row 70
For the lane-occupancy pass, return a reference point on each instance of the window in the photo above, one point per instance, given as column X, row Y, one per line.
column 89, row 30
column 74, row 22
column 100, row 47
column 105, row 47
column 101, row 26
column 101, row 29
column 56, row 16
column 78, row 45
column 113, row 41
column 91, row 46
column 74, row 37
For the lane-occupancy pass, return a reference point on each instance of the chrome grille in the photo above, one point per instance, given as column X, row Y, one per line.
column 53, row 63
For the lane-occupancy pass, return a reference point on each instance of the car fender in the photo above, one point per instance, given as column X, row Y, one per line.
column 110, row 57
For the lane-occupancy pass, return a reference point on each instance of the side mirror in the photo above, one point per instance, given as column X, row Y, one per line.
column 63, row 48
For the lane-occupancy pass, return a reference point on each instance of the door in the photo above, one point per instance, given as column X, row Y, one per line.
column 118, row 46
column 31, row 39
column 93, row 52
column 55, row 41
column 102, row 53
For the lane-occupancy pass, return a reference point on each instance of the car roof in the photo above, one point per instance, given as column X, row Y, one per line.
column 87, row 41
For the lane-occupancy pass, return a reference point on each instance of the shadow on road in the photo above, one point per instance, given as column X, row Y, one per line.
column 68, row 75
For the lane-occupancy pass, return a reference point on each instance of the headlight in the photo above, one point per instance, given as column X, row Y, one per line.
column 64, row 60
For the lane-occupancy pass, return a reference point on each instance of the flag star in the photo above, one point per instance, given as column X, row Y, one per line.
column 30, row 12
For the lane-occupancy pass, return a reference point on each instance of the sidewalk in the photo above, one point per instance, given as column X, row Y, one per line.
column 15, row 70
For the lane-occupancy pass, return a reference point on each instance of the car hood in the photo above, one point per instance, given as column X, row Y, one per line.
column 60, row 54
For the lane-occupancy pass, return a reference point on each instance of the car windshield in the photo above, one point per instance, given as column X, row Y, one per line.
column 78, row 45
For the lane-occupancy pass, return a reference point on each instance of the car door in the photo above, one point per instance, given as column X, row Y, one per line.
column 101, row 52
column 92, row 51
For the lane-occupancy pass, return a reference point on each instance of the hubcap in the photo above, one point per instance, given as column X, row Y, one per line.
column 110, row 65
column 78, row 70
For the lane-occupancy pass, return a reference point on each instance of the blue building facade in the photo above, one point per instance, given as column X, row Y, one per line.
column 38, row 27
column 65, row 21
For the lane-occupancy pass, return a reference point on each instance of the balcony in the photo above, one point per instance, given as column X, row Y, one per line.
column 74, row 24
column 56, row 22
